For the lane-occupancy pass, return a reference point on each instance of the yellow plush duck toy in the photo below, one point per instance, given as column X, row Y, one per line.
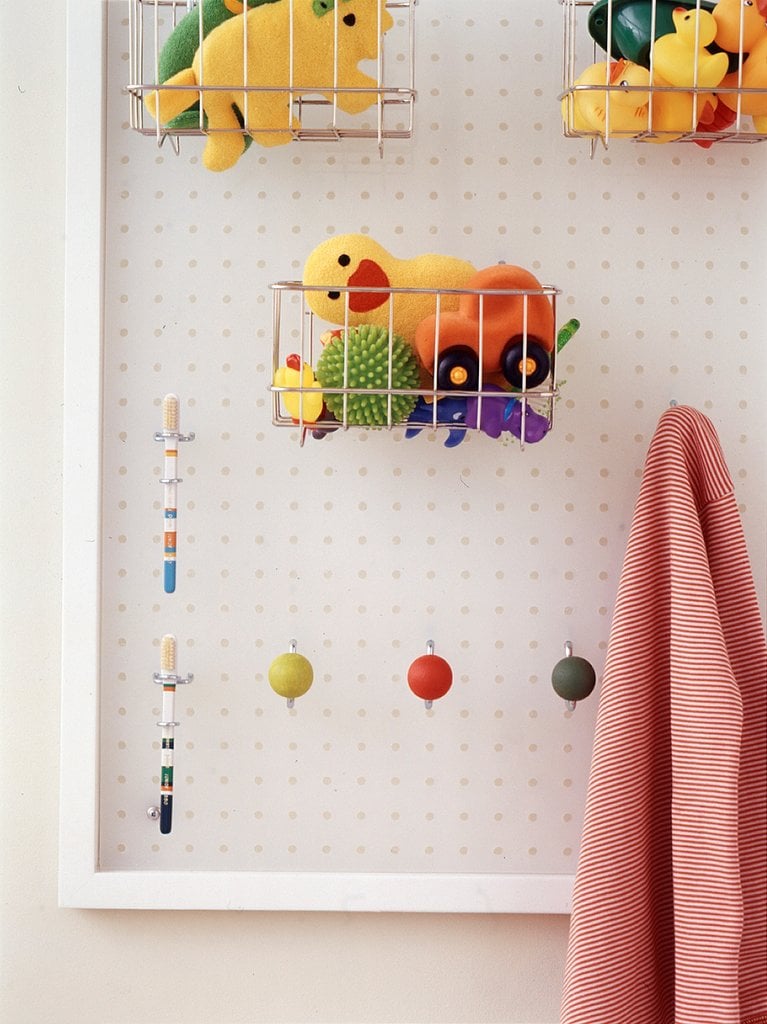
column 357, row 262
column 302, row 406
column 306, row 46
column 608, row 98
column 681, row 59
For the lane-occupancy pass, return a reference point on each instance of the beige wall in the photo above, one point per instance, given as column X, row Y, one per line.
column 120, row 967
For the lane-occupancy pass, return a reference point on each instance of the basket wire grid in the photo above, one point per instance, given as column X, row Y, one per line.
column 297, row 329
column 314, row 108
column 581, row 50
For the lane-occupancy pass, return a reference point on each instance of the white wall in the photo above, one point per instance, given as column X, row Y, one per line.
column 68, row 966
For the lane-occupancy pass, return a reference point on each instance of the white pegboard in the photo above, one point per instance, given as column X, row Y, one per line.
column 365, row 545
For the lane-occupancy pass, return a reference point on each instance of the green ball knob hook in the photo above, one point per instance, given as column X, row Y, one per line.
column 573, row 678
column 291, row 674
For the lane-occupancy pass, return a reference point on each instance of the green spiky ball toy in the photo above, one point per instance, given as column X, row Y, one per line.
column 367, row 356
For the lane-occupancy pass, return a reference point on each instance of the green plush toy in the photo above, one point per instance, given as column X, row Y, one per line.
column 360, row 360
column 182, row 44
column 258, row 64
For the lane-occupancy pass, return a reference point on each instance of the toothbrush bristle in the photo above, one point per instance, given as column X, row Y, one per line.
column 168, row 653
column 170, row 412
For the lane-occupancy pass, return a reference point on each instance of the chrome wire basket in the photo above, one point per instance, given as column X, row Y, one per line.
column 280, row 72
column 497, row 375
column 664, row 71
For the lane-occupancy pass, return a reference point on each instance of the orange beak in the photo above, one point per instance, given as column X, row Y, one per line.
column 371, row 275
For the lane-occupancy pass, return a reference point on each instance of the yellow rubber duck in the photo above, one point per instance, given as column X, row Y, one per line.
column 675, row 113
column 608, row 98
column 357, row 261
column 302, row 406
column 733, row 17
column 681, row 59
column 682, row 69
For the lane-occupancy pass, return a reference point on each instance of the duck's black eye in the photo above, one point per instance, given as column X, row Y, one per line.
column 344, row 260
column 350, row 20
column 334, row 295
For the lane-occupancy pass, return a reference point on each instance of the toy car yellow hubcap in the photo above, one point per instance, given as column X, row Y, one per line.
column 527, row 367
column 458, row 375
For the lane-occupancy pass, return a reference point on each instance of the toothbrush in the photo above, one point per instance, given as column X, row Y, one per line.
column 169, row 481
column 169, row 680
column 167, row 676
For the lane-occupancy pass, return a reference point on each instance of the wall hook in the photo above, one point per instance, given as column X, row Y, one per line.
column 573, row 678
column 429, row 677
column 173, row 141
column 291, row 674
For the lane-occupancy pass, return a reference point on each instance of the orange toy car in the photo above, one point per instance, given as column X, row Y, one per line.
column 513, row 333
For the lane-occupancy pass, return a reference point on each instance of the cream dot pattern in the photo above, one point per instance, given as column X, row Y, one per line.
column 365, row 546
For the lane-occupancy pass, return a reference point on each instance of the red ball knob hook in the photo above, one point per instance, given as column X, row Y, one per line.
column 429, row 677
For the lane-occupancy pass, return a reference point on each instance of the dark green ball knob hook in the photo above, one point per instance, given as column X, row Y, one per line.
column 573, row 678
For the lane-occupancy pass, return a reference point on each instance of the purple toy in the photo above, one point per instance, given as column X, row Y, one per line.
column 501, row 411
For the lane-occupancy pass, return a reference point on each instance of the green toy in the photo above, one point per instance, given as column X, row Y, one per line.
column 183, row 43
column 321, row 7
column 366, row 352
column 566, row 332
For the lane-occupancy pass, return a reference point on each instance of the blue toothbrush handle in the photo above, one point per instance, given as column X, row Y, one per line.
column 169, row 577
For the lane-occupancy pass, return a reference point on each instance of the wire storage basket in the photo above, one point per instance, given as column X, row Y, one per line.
column 273, row 72
column 483, row 360
column 665, row 70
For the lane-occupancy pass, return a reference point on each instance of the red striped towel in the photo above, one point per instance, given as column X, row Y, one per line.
column 669, row 922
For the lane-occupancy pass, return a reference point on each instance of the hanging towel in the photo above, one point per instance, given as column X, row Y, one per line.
column 669, row 920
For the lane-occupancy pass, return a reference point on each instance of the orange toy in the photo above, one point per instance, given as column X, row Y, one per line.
column 511, row 333
column 741, row 29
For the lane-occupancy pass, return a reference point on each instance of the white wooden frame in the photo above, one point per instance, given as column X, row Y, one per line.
column 82, row 883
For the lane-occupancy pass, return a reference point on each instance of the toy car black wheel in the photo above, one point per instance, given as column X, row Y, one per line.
column 458, row 370
column 525, row 366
